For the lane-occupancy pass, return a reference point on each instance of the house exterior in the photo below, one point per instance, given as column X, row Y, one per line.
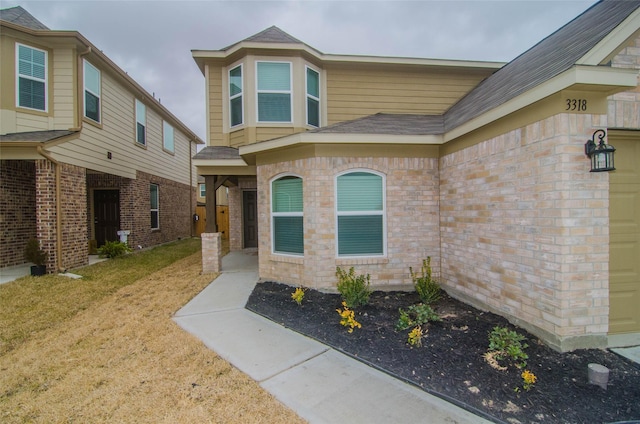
column 376, row 163
column 85, row 151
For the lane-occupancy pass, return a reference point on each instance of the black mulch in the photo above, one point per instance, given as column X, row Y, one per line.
column 450, row 362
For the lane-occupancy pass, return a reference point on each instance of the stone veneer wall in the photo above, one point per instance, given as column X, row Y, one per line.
column 17, row 209
column 525, row 230
column 411, row 213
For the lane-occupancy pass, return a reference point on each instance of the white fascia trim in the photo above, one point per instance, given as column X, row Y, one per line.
column 333, row 138
column 607, row 47
column 590, row 75
column 219, row 162
column 336, row 58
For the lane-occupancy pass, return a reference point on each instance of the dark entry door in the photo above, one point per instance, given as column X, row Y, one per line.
column 106, row 215
column 250, row 218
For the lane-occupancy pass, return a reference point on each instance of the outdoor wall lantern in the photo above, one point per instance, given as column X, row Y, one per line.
column 601, row 154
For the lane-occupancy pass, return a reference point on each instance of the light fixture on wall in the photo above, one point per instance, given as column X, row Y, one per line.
column 601, row 154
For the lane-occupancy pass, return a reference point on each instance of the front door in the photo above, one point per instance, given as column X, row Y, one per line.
column 106, row 215
column 624, row 233
column 250, row 218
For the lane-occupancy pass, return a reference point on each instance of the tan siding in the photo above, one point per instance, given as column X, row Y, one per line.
column 31, row 122
column 357, row 92
column 215, row 106
column 117, row 137
column 63, row 89
column 268, row 133
column 238, row 138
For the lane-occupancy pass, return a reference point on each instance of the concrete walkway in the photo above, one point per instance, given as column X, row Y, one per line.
column 320, row 384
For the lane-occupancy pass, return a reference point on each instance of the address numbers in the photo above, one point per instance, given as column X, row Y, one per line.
column 579, row 105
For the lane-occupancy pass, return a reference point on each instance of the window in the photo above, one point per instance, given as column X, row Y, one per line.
column 274, row 91
column 203, row 191
column 167, row 136
column 313, row 98
column 360, row 214
column 91, row 92
column 154, row 196
column 286, row 210
column 235, row 96
column 141, row 123
column 31, row 72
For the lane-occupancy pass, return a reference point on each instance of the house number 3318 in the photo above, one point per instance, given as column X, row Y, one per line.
column 577, row 105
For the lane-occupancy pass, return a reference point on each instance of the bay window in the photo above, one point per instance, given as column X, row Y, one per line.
column 274, row 91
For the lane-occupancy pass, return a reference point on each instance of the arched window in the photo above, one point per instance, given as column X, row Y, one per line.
column 286, row 213
column 360, row 212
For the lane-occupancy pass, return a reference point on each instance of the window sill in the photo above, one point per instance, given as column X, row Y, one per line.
column 362, row 261
column 275, row 257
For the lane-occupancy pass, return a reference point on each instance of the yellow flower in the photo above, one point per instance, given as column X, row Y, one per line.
column 298, row 295
column 528, row 379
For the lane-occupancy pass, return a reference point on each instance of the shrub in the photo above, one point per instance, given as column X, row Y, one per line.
column 353, row 288
column 34, row 254
column 416, row 315
column 428, row 289
column 347, row 318
column 113, row 249
column 505, row 343
column 298, row 295
column 415, row 336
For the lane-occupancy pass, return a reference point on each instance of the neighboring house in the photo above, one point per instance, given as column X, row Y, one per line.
column 85, row 151
column 376, row 163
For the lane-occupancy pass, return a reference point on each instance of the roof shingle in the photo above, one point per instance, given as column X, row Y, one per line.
column 19, row 16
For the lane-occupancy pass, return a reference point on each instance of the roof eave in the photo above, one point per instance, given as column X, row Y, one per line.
column 608, row 47
column 605, row 80
column 337, row 138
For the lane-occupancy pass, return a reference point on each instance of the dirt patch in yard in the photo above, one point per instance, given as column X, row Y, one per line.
column 450, row 362
column 125, row 360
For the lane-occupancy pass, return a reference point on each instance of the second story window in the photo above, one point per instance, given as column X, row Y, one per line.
column 141, row 123
column 274, row 91
column 235, row 96
column 167, row 137
column 31, row 72
column 313, row 98
column 91, row 92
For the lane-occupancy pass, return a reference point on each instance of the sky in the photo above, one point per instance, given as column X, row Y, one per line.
column 152, row 40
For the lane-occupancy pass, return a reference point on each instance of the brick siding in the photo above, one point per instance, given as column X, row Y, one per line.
column 17, row 209
column 411, row 212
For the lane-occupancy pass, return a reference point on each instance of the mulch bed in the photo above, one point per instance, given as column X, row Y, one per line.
column 450, row 363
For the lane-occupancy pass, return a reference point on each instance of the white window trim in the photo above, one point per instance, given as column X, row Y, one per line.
column 144, row 123
column 241, row 94
column 290, row 92
column 277, row 214
column 157, row 210
column 165, row 124
column 202, row 190
column 307, row 95
column 98, row 95
column 19, row 75
column 360, row 213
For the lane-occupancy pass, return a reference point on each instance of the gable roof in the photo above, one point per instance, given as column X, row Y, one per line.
column 547, row 59
column 19, row 16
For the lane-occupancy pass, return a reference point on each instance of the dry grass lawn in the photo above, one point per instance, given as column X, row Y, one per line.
column 121, row 358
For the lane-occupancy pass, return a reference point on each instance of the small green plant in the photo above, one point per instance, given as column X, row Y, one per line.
column 33, row 253
column 353, row 288
column 416, row 315
column 507, row 344
column 428, row 289
column 298, row 295
column 347, row 318
column 415, row 336
column 113, row 249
